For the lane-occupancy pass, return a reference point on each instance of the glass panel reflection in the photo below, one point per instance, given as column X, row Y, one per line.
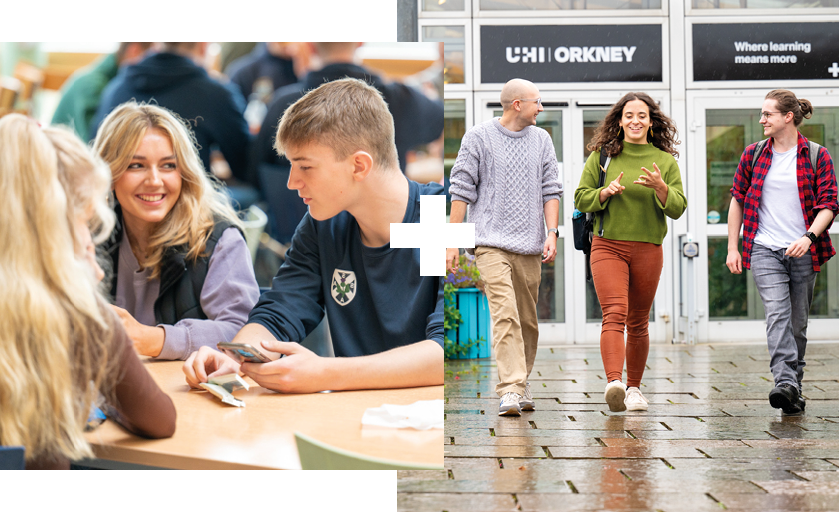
column 735, row 297
column 453, row 53
column 454, row 126
column 551, row 306
column 442, row 5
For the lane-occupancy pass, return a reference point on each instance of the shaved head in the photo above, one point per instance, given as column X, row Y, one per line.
column 517, row 88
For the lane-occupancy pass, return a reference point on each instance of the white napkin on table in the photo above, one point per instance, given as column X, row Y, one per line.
column 421, row 415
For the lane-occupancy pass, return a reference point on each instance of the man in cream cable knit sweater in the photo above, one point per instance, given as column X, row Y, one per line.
column 506, row 171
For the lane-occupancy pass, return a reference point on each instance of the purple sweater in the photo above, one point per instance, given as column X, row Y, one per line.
column 229, row 293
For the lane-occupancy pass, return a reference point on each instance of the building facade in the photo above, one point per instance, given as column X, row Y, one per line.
column 709, row 63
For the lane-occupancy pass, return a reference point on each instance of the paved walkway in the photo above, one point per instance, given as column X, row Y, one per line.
column 709, row 441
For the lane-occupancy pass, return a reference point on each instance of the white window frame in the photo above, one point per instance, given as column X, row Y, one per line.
column 467, row 52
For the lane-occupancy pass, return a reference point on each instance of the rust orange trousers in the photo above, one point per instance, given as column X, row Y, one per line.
column 626, row 277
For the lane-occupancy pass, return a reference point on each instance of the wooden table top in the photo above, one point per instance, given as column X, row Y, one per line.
column 213, row 435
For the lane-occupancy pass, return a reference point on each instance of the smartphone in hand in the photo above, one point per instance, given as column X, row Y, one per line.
column 243, row 353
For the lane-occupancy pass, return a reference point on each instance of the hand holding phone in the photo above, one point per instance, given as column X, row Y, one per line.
column 243, row 352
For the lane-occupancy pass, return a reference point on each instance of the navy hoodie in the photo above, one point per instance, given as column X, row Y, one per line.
column 213, row 110
column 416, row 118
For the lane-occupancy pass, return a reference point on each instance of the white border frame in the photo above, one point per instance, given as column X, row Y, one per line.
column 698, row 102
column 768, row 85
column 576, row 86
column 468, row 49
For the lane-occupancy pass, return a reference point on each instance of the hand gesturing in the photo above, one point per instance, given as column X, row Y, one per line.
column 652, row 179
column 615, row 187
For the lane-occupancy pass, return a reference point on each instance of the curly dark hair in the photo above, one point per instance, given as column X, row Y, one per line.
column 608, row 134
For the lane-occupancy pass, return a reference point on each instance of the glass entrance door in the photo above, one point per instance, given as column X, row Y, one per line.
column 730, row 308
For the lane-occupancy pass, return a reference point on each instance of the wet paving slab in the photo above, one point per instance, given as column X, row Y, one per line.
column 709, row 441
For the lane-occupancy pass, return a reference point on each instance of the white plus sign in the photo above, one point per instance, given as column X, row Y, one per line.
column 834, row 70
column 432, row 235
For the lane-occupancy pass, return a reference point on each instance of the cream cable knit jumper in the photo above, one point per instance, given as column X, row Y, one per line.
column 506, row 178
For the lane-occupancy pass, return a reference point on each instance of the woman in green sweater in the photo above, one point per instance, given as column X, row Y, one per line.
column 626, row 255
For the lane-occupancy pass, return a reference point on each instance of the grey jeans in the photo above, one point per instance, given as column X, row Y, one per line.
column 786, row 287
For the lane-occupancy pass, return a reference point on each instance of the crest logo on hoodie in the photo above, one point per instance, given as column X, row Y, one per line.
column 343, row 286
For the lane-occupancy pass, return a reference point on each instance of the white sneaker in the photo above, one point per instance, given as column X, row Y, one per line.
column 526, row 402
column 615, row 394
column 510, row 405
column 634, row 400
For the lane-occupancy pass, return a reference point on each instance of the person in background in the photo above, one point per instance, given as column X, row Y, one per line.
column 416, row 118
column 81, row 93
column 386, row 320
column 175, row 79
column 265, row 69
column 231, row 51
column 182, row 273
column 60, row 344
column 506, row 172
column 785, row 207
column 626, row 254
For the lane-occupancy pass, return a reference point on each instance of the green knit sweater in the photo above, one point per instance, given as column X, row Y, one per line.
column 636, row 215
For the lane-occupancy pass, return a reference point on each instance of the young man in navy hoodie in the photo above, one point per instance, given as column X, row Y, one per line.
column 386, row 320
column 173, row 78
column 416, row 119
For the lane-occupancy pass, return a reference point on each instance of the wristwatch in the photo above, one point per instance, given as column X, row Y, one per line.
column 812, row 236
column 554, row 231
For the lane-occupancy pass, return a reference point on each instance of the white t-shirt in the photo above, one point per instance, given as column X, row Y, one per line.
column 780, row 218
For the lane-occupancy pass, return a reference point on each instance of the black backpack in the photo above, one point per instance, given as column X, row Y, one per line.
column 583, row 226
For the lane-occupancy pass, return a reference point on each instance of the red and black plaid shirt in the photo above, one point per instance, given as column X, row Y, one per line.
column 816, row 191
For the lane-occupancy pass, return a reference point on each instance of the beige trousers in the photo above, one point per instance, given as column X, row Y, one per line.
column 512, row 289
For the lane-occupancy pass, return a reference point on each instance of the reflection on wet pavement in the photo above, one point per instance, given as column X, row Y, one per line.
column 709, row 441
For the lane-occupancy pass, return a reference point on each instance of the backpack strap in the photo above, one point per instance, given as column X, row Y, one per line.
column 604, row 164
column 758, row 151
column 814, row 155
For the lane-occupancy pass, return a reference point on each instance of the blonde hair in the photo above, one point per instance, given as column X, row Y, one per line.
column 56, row 347
column 201, row 201
column 347, row 115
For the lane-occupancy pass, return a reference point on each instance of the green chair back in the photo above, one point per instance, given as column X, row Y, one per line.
column 317, row 455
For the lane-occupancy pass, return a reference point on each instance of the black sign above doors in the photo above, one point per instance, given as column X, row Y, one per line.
column 571, row 53
column 765, row 51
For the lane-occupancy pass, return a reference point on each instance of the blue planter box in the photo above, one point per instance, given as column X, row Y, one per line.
column 474, row 311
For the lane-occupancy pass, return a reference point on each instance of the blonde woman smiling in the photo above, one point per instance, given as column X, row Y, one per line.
column 60, row 345
column 182, row 273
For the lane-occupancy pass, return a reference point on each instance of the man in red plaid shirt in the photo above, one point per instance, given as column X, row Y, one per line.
column 786, row 207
